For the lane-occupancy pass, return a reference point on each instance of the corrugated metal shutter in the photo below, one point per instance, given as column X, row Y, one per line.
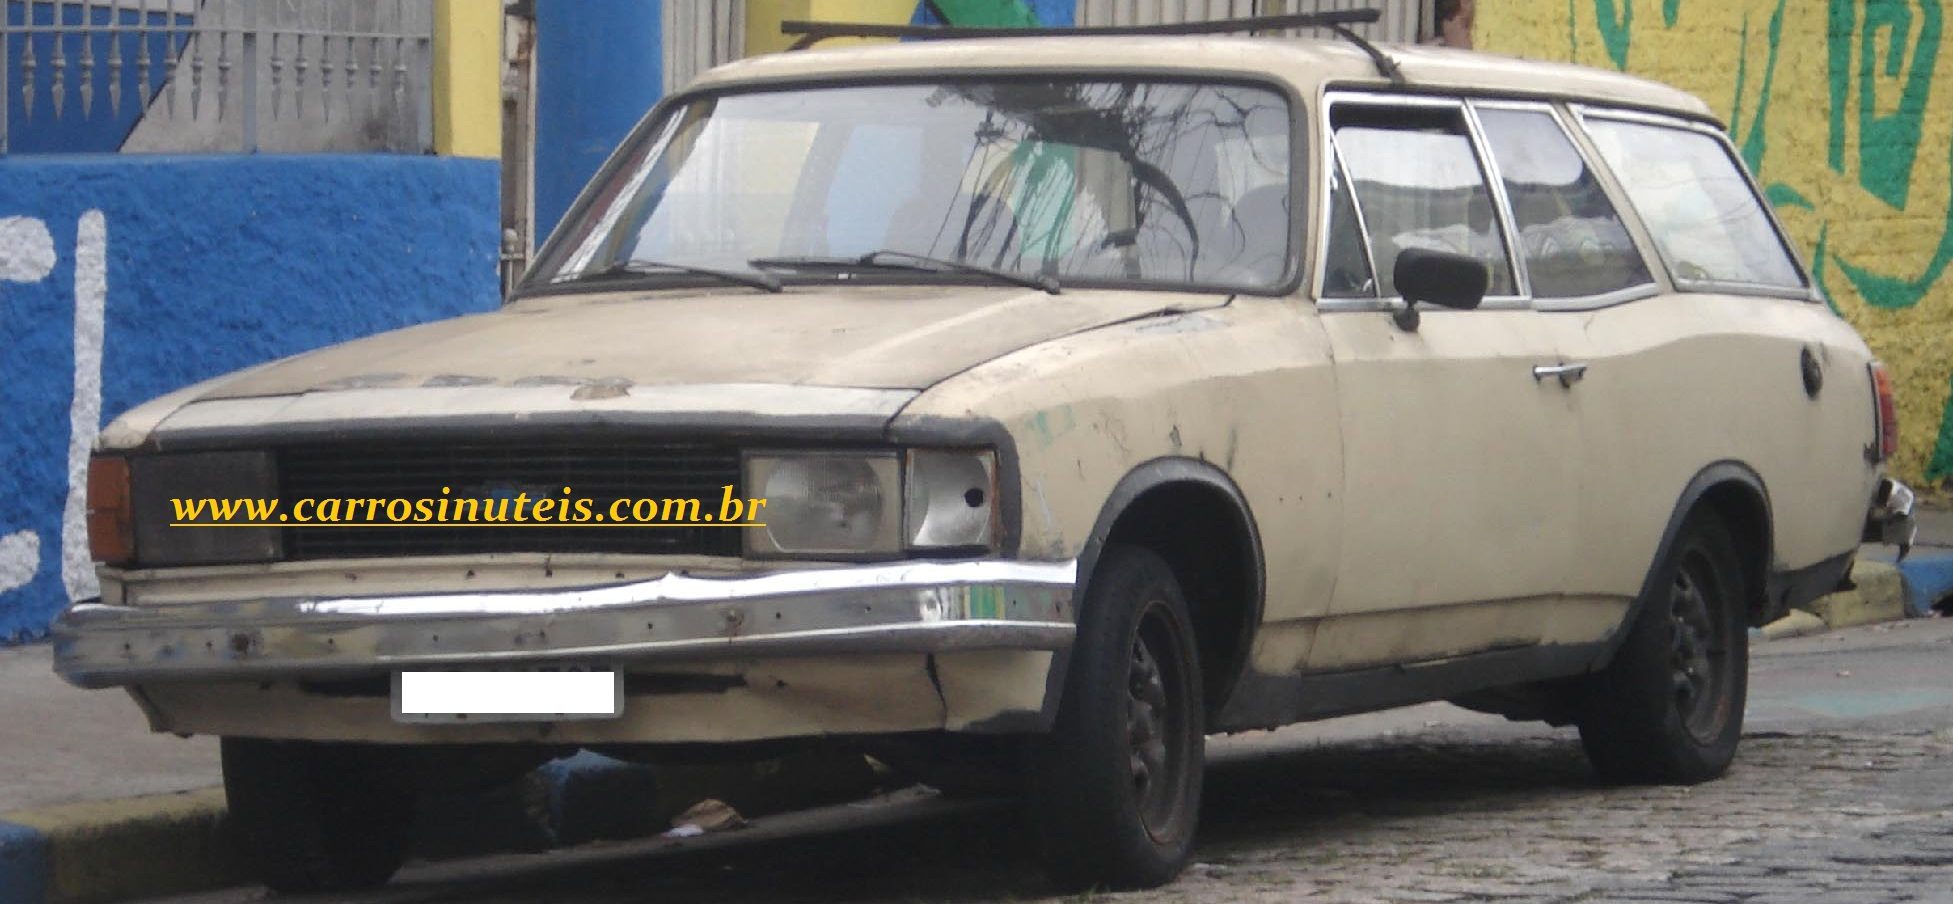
column 1404, row 21
column 1154, row 12
column 699, row 36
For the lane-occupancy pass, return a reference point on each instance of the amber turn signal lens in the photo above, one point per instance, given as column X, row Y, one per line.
column 111, row 525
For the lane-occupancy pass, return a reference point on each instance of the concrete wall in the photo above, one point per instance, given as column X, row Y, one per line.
column 1839, row 108
column 122, row 278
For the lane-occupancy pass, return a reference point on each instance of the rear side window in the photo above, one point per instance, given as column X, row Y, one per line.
column 1690, row 191
column 1419, row 185
column 1568, row 231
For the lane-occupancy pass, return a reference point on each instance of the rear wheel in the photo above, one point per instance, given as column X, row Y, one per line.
column 1116, row 785
column 1669, row 708
column 317, row 817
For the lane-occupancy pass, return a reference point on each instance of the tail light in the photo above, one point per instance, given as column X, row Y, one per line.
column 111, row 522
column 1887, row 441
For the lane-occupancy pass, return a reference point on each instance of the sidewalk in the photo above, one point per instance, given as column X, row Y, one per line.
column 1935, row 527
column 70, row 745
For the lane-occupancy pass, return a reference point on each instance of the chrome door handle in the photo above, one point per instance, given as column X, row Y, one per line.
column 1568, row 374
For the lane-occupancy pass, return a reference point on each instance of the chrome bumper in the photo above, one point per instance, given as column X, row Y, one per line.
column 909, row 607
column 1890, row 520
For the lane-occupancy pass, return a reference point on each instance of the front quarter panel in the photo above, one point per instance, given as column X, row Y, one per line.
column 1246, row 387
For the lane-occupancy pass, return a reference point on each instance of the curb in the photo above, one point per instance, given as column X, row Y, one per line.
column 1882, row 593
column 175, row 843
column 1879, row 596
column 107, row 850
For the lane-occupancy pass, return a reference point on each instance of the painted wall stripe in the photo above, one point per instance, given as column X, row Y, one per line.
column 85, row 403
column 468, row 78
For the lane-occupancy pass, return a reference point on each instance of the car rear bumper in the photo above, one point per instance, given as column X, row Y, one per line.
column 909, row 607
column 1890, row 519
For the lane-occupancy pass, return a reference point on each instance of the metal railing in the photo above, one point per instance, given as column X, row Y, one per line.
column 218, row 75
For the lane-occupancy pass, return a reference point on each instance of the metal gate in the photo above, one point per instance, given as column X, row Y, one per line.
column 699, row 36
column 1403, row 22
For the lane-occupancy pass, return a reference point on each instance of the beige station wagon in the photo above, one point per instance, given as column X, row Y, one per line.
column 1103, row 392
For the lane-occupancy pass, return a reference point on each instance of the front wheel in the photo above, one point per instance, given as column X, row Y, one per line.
column 1116, row 785
column 317, row 817
column 1669, row 708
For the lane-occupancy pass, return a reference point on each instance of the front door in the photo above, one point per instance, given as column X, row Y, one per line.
column 1459, row 462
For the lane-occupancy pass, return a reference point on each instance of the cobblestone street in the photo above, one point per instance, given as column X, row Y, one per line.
column 1828, row 817
column 1843, row 792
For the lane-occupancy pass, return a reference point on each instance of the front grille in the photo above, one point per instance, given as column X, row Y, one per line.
column 599, row 471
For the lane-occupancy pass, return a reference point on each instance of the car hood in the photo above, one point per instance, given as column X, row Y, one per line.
column 885, row 337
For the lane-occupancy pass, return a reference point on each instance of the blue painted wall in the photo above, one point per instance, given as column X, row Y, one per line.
column 599, row 68
column 213, row 263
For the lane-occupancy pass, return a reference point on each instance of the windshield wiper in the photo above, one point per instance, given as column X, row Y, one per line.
column 756, row 279
column 889, row 259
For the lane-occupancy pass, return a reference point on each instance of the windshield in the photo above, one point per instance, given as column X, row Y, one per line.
column 1176, row 183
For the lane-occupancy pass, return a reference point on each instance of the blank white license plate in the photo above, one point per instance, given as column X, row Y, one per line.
column 507, row 696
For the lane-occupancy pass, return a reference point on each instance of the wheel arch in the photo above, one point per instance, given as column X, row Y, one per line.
column 1182, row 509
column 1738, row 495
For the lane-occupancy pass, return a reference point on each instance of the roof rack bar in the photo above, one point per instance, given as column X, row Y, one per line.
column 1338, row 20
column 1386, row 66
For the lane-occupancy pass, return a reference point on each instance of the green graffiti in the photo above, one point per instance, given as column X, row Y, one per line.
column 1941, row 465
column 1817, row 269
column 1894, row 292
column 1616, row 30
column 1782, row 196
column 1617, row 27
column 1572, row 32
column 1844, row 22
column 1888, row 145
column 1877, row 289
column 985, row 13
column 1756, row 145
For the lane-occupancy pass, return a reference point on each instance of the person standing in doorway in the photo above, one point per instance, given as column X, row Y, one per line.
column 1454, row 23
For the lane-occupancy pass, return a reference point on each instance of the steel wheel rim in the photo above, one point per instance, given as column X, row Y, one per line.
column 1156, row 722
column 1698, row 652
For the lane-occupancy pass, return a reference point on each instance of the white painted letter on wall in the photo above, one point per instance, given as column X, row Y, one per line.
column 85, row 410
column 26, row 256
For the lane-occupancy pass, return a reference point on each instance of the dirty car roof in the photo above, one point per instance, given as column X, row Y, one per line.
column 1305, row 63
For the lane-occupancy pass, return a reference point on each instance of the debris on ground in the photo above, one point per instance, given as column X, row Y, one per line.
column 706, row 816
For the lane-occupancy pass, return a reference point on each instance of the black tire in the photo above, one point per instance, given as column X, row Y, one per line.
column 313, row 817
column 1115, row 787
column 1669, row 708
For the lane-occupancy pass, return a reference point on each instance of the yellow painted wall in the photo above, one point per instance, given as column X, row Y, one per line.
column 468, row 78
column 763, row 18
column 1844, row 109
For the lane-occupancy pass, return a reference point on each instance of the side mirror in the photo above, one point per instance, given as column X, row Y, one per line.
column 1437, row 277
